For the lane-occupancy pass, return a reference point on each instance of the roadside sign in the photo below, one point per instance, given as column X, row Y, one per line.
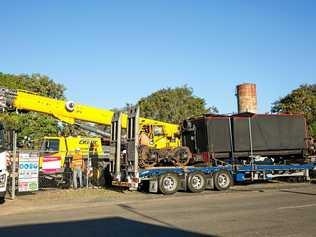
column 51, row 164
column 28, row 172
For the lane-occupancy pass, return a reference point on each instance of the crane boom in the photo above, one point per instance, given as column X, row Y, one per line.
column 25, row 100
column 71, row 113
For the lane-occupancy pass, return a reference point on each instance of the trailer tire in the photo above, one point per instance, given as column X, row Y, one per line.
column 196, row 182
column 222, row 180
column 169, row 183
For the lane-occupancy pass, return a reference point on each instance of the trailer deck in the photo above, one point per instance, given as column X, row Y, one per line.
column 207, row 177
column 196, row 178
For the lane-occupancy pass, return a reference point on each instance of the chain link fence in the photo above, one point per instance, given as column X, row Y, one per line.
column 55, row 169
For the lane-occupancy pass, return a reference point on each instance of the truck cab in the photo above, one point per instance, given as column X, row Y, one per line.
column 57, row 149
column 56, row 154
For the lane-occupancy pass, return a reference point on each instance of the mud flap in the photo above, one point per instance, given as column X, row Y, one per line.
column 210, row 183
column 153, row 186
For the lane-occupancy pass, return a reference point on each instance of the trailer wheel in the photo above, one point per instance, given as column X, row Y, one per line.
column 196, row 182
column 222, row 180
column 168, row 183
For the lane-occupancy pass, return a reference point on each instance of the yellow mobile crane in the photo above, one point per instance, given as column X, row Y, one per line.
column 163, row 136
column 71, row 113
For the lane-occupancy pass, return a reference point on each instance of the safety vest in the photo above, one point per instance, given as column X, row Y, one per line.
column 77, row 161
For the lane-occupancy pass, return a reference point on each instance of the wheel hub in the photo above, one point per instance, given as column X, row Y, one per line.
column 196, row 182
column 169, row 183
column 223, row 180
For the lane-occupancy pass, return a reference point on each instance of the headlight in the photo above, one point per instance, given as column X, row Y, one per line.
column 2, row 180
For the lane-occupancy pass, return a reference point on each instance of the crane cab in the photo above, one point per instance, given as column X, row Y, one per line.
column 56, row 150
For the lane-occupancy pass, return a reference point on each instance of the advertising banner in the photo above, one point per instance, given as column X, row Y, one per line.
column 28, row 172
column 51, row 164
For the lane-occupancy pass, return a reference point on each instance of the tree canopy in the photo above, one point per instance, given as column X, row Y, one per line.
column 37, row 83
column 173, row 105
column 31, row 124
column 300, row 100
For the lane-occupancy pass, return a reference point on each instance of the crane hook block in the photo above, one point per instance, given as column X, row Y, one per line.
column 70, row 106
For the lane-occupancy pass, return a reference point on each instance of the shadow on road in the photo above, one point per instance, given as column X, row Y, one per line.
column 128, row 208
column 297, row 192
column 114, row 226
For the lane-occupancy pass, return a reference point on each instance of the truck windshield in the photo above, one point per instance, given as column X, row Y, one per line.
column 50, row 145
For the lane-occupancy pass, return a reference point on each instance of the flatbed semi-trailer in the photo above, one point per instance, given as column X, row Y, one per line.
column 169, row 180
column 216, row 175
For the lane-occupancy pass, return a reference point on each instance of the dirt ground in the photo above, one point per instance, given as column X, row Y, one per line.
column 63, row 198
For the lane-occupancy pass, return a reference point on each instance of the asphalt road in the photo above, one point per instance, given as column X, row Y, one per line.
column 278, row 212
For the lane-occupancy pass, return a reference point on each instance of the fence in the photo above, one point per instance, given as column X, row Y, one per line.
column 57, row 168
column 32, row 170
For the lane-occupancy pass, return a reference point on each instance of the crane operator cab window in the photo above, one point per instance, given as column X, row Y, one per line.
column 158, row 131
column 50, row 145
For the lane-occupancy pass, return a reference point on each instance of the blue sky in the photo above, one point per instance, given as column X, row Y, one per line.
column 108, row 53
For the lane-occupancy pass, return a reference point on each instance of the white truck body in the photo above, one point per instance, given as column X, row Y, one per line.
column 3, row 174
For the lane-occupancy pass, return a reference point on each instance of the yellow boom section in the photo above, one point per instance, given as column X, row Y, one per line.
column 25, row 100
column 32, row 102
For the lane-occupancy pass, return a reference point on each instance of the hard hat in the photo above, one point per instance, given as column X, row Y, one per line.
column 77, row 149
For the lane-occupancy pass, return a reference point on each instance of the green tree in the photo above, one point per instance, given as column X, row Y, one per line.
column 300, row 100
column 173, row 105
column 37, row 83
column 31, row 124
